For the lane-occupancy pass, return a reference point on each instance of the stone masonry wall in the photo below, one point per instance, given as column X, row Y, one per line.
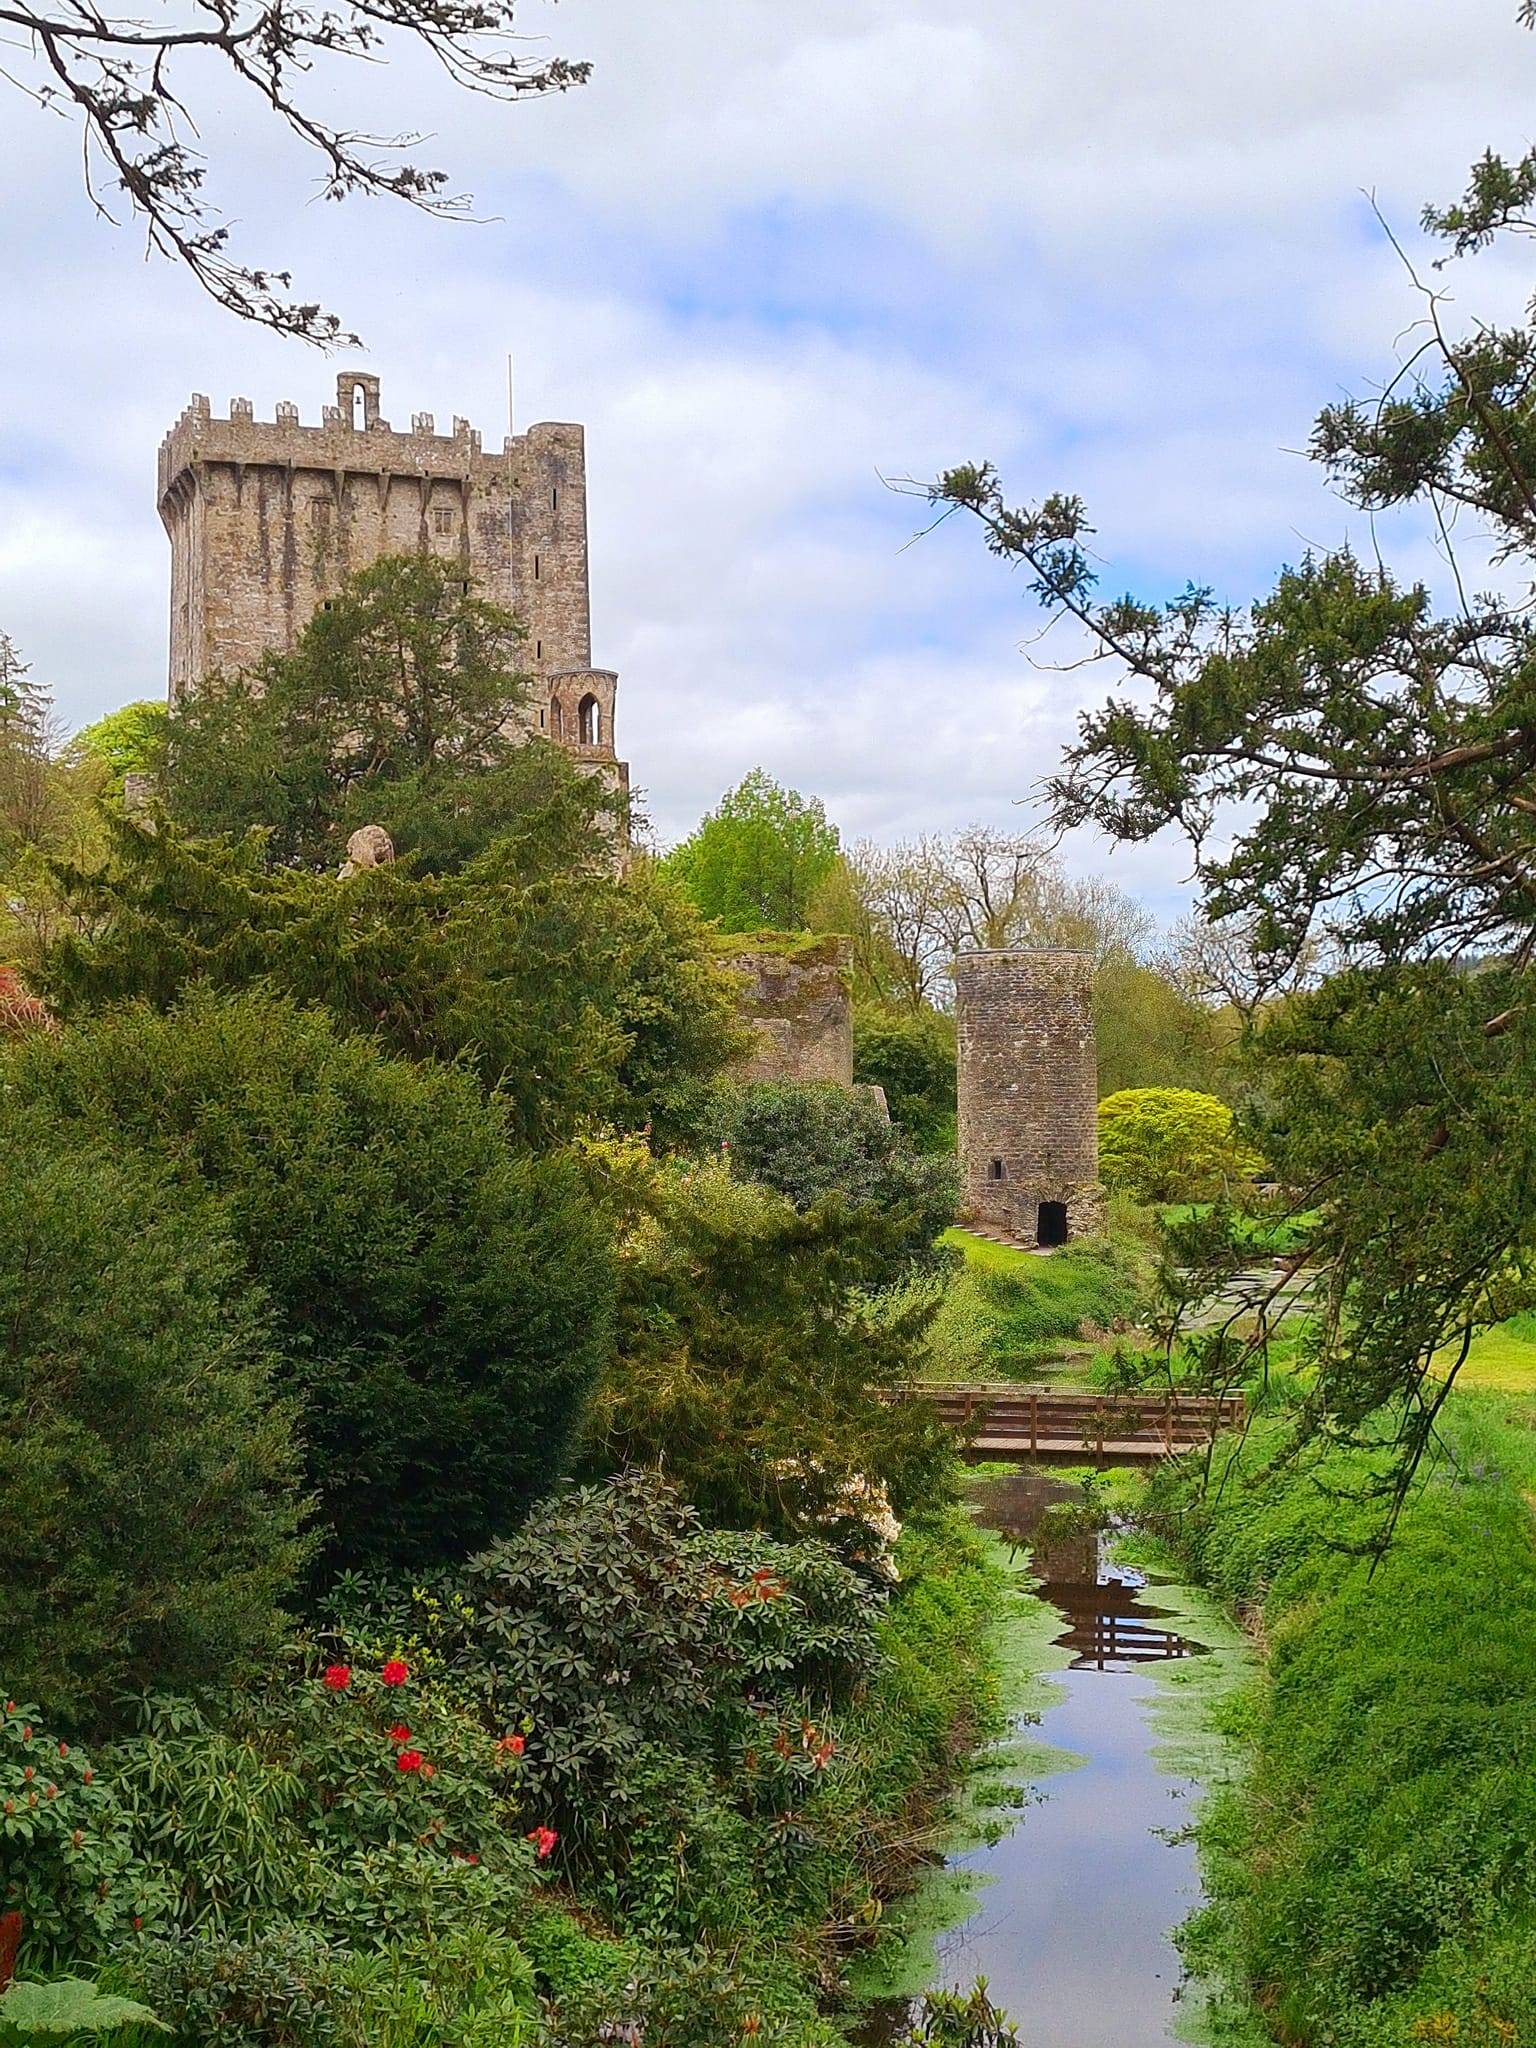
column 1028, row 1090
column 266, row 518
column 795, row 999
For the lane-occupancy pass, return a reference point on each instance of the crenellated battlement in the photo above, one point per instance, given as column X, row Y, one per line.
column 351, row 435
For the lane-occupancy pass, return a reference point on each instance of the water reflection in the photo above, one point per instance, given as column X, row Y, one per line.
column 1110, row 1626
column 1071, row 1928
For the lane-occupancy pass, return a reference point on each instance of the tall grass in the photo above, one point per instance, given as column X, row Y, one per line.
column 1006, row 1312
column 1374, row 1880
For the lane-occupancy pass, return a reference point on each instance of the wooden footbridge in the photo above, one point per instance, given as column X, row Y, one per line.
column 1071, row 1424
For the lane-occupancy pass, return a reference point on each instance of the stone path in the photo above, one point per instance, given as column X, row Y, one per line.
column 1287, row 1293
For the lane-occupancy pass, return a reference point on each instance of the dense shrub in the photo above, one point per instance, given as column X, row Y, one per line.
column 1374, row 1876
column 752, row 1366
column 611, row 1621
column 911, row 1055
column 69, row 1863
column 809, row 1142
column 441, row 1305
column 576, row 992
column 149, row 1505
column 1171, row 1145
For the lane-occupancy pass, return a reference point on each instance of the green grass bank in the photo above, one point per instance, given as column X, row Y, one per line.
column 1372, row 1876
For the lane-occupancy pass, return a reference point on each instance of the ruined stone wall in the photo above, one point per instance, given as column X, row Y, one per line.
column 795, row 1000
column 266, row 518
column 1028, row 1091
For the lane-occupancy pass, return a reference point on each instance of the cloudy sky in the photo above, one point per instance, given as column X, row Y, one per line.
column 776, row 251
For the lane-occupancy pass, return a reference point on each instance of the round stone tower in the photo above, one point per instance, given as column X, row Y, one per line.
column 1028, row 1094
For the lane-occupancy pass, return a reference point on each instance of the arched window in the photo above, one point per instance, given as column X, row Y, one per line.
column 556, row 718
column 589, row 717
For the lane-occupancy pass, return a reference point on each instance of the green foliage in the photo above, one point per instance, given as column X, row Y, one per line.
column 613, row 1623
column 440, row 1303
column 149, row 1507
column 575, row 992
column 67, row 2006
column 1149, row 1034
column 128, row 741
column 1374, row 1878
column 954, row 2019
column 1005, row 1312
column 68, row 1860
column 809, row 1142
column 911, row 1055
column 1171, row 1145
column 397, row 707
column 751, row 1365
column 756, row 862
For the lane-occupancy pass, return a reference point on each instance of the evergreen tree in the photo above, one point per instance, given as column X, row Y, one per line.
column 576, row 993
column 398, row 707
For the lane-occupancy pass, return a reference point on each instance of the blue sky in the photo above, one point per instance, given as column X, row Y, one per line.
column 770, row 255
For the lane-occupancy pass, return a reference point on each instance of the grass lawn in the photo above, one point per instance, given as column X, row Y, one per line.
column 987, row 1257
column 1503, row 1359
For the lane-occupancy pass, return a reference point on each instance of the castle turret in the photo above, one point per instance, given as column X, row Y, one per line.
column 1028, row 1094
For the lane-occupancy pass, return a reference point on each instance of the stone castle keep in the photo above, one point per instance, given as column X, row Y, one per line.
column 265, row 518
column 1028, row 1094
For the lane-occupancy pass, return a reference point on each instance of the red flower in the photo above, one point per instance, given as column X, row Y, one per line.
column 429, row 1770
column 399, row 1733
column 511, row 1745
column 543, row 1839
column 408, row 1760
column 396, row 1671
column 337, row 1677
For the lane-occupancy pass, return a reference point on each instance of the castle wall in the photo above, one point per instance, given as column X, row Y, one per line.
column 1028, row 1092
column 795, row 999
column 266, row 518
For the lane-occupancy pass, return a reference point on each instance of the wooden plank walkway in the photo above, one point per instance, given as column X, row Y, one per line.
column 1072, row 1423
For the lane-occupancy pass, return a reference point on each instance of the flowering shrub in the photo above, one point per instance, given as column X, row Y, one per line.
column 280, row 1808
column 67, row 1858
column 612, row 1619
column 851, row 1512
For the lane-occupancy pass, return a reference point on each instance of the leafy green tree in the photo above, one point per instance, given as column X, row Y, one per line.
column 578, row 994
column 756, row 862
column 29, row 793
column 911, row 1055
column 440, row 1304
column 128, row 741
column 149, row 1472
column 1354, row 769
column 1172, row 1145
column 399, row 706
column 811, row 1143
column 751, row 1366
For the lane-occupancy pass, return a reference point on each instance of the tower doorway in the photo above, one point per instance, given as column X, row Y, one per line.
column 1051, row 1224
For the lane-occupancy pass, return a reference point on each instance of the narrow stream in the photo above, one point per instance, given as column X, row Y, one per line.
column 1073, row 1913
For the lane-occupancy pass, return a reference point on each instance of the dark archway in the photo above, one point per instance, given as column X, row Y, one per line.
column 1051, row 1223
column 589, row 718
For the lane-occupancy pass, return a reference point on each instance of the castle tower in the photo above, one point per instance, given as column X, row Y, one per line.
column 1028, row 1094
column 265, row 518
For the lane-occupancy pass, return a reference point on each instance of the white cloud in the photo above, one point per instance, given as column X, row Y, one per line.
column 771, row 252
